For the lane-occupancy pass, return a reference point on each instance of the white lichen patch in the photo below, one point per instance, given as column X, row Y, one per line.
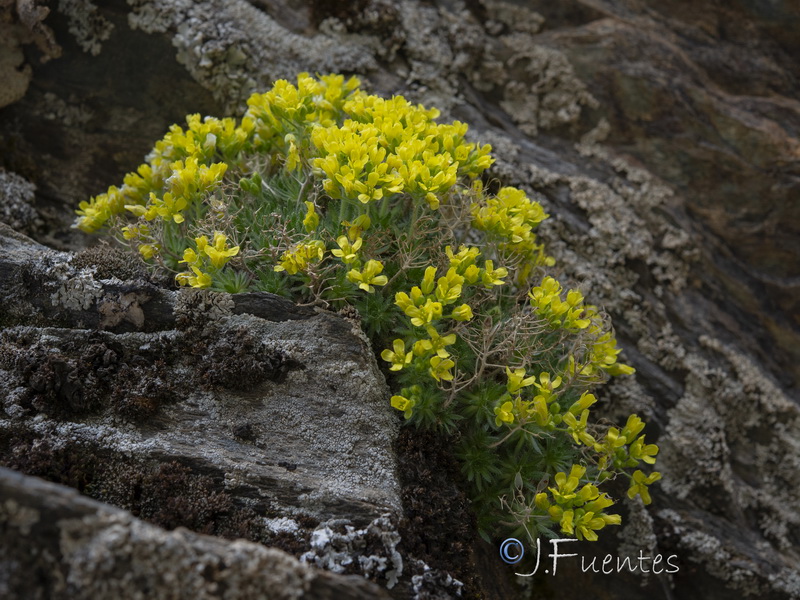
column 109, row 554
column 78, row 293
column 543, row 91
column 89, row 27
column 744, row 573
column 734, row 431
column 282, row 525
column 334, row 551
column 638, row 535
column 16, row 202
column 241, row 49
column 434, row 583
column 66, row 112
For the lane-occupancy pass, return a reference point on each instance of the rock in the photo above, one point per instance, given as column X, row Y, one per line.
column 83, row 549
column 203, row 410
column 287, row 370
column 16, row 203
column 708, row 100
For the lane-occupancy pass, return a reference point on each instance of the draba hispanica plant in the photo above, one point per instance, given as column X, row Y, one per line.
column 332, row 196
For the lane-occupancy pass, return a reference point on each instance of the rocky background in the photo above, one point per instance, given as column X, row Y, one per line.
column 661, row 137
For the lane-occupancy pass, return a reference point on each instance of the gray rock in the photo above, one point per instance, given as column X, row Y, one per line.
column 288, row 406
column 82, row 549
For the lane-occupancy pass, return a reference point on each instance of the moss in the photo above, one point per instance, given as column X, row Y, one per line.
column 72, row 381
column 75, row 375
column 289, row 542
column 167, row 494
column 238, row 361
column 439, row 526
column 27, row 452
column 109, row 262
column 88, row 374
column 171, row 495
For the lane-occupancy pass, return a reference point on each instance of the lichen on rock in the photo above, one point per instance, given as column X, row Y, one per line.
column 16, row 203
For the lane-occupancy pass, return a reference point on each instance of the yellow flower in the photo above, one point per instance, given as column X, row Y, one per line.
column 462, row 313
column 432, row 200
column 347, row 252
column 196, row 280
column 545, row 385
column 203, row 280
column 428, row 280
column 368, row 276
column 578, row 428
column 148, row 251
column 633, row 427
column 218, row 253
column 437, row 343
column 491, row 276
column 504, row 413
column 644, row 452
column 464, row 259
column 440, row 368
column 297, row 260
column 292, row 156
column 424, row 314
column 585, row 401
column 190, row 257
column 134, row 231
column 311, row 220
column 399, row 357
column 517, row 380
column 201, row 243
column 639, row 485
column 448, row 288
column 566, row 484
column 357, row 227
column 403, row 404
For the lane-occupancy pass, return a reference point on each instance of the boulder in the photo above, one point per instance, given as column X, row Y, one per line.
column 82, row 549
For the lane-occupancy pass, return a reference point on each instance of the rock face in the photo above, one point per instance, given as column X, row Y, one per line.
column 288, row 405
column 662, row 141
column 202, row 410
column 82, row 549
column 708, row 100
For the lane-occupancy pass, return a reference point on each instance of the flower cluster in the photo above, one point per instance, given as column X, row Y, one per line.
column 540, row 409
column 391, row 147
column 579, row 512
column 298, row 258
column 206, row 258
column 571, row 314
column 510, row 218
column 327, row 194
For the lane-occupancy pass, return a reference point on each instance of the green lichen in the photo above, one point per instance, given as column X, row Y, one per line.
column 338, row 198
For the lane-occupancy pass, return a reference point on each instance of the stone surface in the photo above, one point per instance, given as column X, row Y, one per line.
column 287, row 406
column 662, row 141
column 708, row 99
column 83, row 549
column 223, row 414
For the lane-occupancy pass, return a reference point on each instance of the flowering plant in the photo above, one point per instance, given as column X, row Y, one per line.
column 332, row 196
